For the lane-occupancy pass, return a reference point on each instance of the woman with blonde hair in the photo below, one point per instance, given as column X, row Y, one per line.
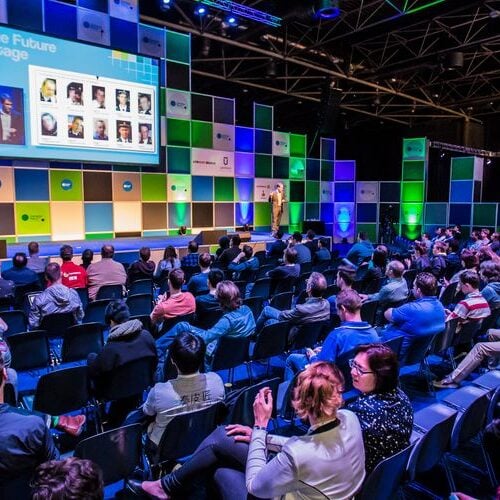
column 327, row 462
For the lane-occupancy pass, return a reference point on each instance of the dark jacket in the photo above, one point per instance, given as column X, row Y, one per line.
column 140, row 270
column 228, row 256
column 205, row 303
column 25, row 443
column 276, row 249
column 126, row 342
column 21, row 276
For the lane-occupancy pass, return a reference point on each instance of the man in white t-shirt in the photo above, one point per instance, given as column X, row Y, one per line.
column 190, row 391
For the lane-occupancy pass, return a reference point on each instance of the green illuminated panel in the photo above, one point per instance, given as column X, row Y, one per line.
column 65, row 185
column 412, row 191
column 99, row 236
column 312, row 192
column 262, row 214
column 413, row 170
column 33, row 218
column 263, row 166
column 411, row 213
column 298, row 145
column 370, row 229
column 224, row 188
column 297, row 168
column 201, row 135
column 179, row 214
column 462, row 169
column 263, row 117
column 154, row 187
column 178, row 132
column 178, row 47
column 412, row 232
column 296, row 214
column 484, row 214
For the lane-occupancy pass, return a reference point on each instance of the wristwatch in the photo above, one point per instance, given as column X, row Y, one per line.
column 260, row 428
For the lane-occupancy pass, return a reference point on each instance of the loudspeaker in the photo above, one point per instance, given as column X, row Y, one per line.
column 3, row 249
column 210, row 237
column 244, row 236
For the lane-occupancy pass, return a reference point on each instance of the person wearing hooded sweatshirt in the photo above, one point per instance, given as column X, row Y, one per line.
column 56, row 299
column 360, row 250
column 142, row 269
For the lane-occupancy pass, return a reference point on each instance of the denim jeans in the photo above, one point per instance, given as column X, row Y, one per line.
column 268, row 313
column 295, row 363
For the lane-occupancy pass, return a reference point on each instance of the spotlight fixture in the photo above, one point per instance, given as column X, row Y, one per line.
column 231, row 20
column 326, row 9
column 165, row 4
column 201, row 10
column 271, row 69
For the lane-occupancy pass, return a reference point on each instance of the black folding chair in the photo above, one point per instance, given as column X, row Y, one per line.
column 255, row 305
column 83, row 293
column 209, row 318
column 282, row 301
column 80, row 340
column 261, row 288
column 16, row 321
column 171, row 322
column 110, row 292
column 308, row 334
column 117, row 452
column 141, row 286
column 30, row 350
column 369, row 311
column 230, row 353
column 140, row 304
column 56, row 324
column 95, row 311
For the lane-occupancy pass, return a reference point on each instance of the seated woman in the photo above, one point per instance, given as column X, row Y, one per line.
column 327, row 462
column 384, row 410
column 169, row 262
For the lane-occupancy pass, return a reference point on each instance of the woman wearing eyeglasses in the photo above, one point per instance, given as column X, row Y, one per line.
column 327, row 462
column 383, row 409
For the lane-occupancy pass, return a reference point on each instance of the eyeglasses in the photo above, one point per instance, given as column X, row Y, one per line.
column 358, row 368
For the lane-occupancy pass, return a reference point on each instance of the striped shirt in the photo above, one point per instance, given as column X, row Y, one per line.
column 473, row 308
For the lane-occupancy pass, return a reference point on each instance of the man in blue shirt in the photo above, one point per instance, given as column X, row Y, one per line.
column 351, row 333
column 360, row 250
column 424, row 316
column 191, row 259
column 245, row 265
column 19, row 273
column 199, row 282
column 303, row 253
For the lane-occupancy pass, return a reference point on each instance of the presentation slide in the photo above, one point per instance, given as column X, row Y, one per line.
column 62, row 100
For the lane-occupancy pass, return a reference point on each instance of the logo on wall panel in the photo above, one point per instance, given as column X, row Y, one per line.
column 212, row 162
column 66, row 184
column 127, row 186
column 32, row 218
column 178, row 104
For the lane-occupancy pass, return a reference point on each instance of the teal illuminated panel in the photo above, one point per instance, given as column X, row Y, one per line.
column 178, row 132
column 462, row 169
column 413, row 170
column 414, row 148
column 435, row 213
column 312, row 191
column 178, row 160
column 412, row 191
column 201, row 134
column 178, row 47
column 298, row 145
column 484, row 214
column 297, row 168
column 263, row 116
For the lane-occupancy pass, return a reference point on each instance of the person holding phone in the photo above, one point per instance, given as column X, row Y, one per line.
column 312, row 466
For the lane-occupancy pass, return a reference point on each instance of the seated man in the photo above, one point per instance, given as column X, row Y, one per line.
column 244, row 265
column 19, row 273
column 394, row 291
column 178, row 303
column 323, row 253
column 35, row 262
column 360, row 250
column 230, row 253
column 277, row 247
column 353, row 331
column 479, row 353
column 198, row 282
column 142, row 269
column 73, row 276
column 314, row 309
column 303, row 253
column 208, row 301
column 424, row 316
column 56, row 299
column 191, row 258
column 190, row 391
column 237, row 321
column 284, row 277
column 74, row 478
column 346, row 276
column 474, row 306
column 105, row 272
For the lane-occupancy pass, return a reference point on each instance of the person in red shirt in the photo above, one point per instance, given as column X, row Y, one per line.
column 73, row 276
column 177, row 304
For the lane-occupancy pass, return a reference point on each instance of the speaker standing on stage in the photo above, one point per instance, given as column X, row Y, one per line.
column 277, row 198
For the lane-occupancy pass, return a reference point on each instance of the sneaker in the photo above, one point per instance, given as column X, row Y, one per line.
column 71, row 425
column 446, row 383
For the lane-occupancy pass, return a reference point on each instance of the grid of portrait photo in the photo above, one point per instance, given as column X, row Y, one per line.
column 78, row 110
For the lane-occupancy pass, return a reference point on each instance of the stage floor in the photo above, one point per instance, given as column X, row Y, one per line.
column 51, row 248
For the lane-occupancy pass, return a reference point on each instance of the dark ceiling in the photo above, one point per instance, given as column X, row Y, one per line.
column 369, row 64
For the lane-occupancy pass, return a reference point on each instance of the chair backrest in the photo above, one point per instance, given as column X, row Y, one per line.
column 282, row 301
column 261, row 255
column 305, row 267
column 255, row 305
column 467, row 332
column 145, row 319
column 29, row 350
column 472, row 405
column 321, row 266
column 263, row 270
column 95, row 311
column 448, row 295
column 21, row 290
column 330, row 275
column 271, row 341
column 395, row 344
column 369, row 311
column 434, row 438
column 56, row 324
column 171, row 322
column 261, row 288
column 141, row 286
column 445, row 339
column 9, row 395
column 80, row 340
column 494, row 406
column 116, row 452
column 16, row 321
column 209, row 318
column 242, row 286
column 185, row 432
column 83, row 293
column 128, row 380
column 230, row 352
column 342, row 363
column 190, row 271
column 140, row 304
column 242, row 409
column 385, row 479
column 18, row 488
column 62, row 391
column 410, row 276
column 308, row 334
column 111, row 292
column 417, row 350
